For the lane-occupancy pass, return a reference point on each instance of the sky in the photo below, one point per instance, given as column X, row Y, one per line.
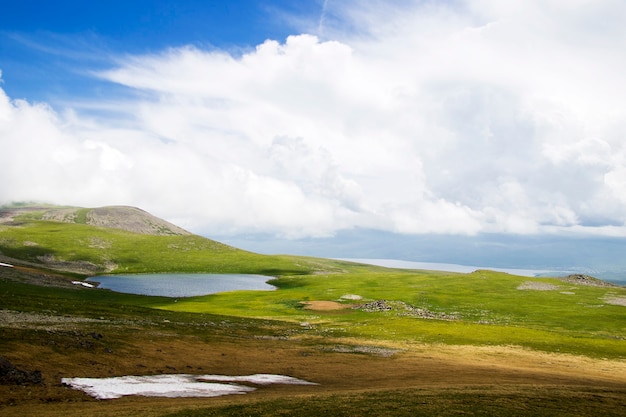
column 307, row 119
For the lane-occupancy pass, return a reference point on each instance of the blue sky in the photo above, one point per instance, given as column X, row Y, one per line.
column 309, row 119
column 47, row 46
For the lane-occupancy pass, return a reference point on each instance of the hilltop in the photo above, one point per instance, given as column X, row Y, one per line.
column 131, row 219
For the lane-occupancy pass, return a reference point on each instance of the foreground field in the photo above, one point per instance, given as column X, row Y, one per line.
column 376, row 341
column 70, row 332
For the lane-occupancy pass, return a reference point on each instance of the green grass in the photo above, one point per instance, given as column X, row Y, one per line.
column 488, row 306
column 81, row 216
column 135, row 253
column 123, row 310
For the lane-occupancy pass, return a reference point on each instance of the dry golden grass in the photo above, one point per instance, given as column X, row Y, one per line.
column 425, row 368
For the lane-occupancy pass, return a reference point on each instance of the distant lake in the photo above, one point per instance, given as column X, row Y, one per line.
column 616, row 277
column 434, row 266
column 182, row 285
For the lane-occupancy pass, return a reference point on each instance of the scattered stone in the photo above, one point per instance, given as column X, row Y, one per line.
column 615, row 300
column 367, row 350
column 404, row 309
column 11, row 375
column 25, row 320
column 79, row 267
column 375, row 306
column 537, row 286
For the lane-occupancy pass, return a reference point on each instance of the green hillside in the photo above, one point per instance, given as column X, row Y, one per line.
column 74, row 247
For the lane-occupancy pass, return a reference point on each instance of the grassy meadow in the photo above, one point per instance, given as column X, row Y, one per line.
column 118, row 251
column 482, row 308
column 397, row 342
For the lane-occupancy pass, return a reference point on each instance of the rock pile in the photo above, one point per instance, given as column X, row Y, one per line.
column 581, row 279
column 11, row 375
column 403, row 309
column 375, row 306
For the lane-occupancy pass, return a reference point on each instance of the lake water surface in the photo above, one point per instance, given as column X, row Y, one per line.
column 435, row 266
column 182, row 285
column 617, row 276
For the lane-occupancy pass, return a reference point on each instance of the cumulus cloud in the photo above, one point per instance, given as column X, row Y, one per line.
column 453, row 117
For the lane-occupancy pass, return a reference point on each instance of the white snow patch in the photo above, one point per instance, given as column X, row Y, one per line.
column 351, row 297
column 181, row 385
column 258, row 379
column 84, row 284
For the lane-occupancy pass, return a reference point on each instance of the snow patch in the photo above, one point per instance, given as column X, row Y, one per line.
column 180, row 385
column 351, row 297
column 84, row 284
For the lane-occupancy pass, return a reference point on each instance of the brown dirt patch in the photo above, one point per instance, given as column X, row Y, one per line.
column 324, row 305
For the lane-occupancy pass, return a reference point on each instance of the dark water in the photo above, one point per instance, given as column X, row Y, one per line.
column 182, row 285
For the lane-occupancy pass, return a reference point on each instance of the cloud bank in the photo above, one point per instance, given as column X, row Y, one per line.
column 461, row 117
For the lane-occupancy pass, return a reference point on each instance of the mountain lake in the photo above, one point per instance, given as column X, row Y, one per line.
column 182, row 285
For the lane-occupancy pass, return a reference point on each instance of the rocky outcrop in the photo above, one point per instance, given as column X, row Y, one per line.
column 132, row 219
column 126, row 218
column 11, row 375
column 581, row 279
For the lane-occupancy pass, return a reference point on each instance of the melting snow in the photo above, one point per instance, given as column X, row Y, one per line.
column 181, row 385
column 84, row 284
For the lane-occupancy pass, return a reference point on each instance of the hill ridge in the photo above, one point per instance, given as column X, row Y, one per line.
column 128, row 218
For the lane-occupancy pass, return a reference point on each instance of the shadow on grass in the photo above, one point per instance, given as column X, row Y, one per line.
column 28, row 253
column 412, row 403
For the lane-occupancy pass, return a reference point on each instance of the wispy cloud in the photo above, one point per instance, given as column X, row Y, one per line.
column 453, row 117
column 320, row 23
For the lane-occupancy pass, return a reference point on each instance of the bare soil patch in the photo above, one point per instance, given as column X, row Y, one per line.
column 324, row 305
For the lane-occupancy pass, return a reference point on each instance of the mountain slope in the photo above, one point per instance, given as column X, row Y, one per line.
column 122, row 240
column 126, row 218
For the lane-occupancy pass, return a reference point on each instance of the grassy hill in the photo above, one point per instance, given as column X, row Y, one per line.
column 122, row 240
column 385, row 341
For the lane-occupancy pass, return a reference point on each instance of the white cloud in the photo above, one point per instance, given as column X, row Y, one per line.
column 453, row 117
